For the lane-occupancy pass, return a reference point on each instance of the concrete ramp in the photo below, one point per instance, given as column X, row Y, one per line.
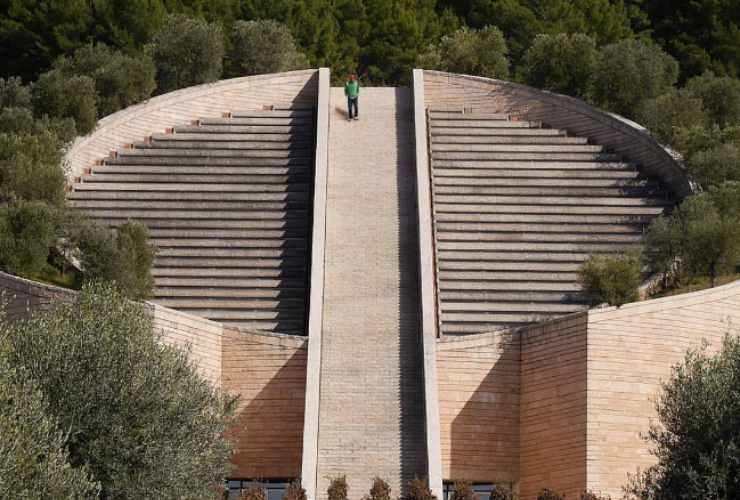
column 371, row 413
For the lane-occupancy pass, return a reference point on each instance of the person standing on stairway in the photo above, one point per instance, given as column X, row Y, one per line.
column 352, row 91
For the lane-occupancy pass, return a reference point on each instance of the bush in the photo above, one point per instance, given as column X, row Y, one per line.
column 630, row 72
column 547, row 494
column 295, row 491
column 26, row 233
column 254, row 492
column 30, row 168
column 667, row 114
column 503, row 492
column 715, row 165
column 590, row 495
column 265, row 46
column 13, row 94
column 61, row 96
column 463, row 491
column 338, row 488
column 470, row 51
column 136, row 411
column 663, row 243
column 124, row 256
column 720, row 95
column 561, row 63
column 186, row 52
column 20, row 121
column 33, row 458
column 696, row 442
column 419, row 490
column 611, row 279
column 120, row 80
column 380, row 490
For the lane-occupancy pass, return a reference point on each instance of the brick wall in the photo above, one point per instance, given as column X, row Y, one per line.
column 478, row 381
column 181, row 107
column 630, row 350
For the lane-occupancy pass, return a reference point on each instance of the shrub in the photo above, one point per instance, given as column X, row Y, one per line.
column 463, row 491
column 503, row 492
column 419, row 490
column 13, row 94
column 561, row 63
column 547, row 494
column 30, row 168
column 665, row 115
column 696, row 441
column 663, row 243
column 470, row 51
column 611, row 279
column 630, row 72
column 380, row 490
column 120, row 80
column 60, row 96
column 26, row 233
column 136, row 411
column 338, row 488
column 186, row 52
column 33, row 457
column 590, row 495
column 720, row 95
column 295, row 491
column 265, row 46
column 20, row 121
column 254, row 492
column 715, row 165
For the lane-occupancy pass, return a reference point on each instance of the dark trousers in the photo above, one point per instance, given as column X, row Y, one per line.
column 352, row 106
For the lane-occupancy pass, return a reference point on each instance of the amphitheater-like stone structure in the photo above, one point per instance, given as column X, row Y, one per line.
column 397, row 297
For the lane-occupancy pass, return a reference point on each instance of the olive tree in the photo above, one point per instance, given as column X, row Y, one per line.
column 62, row 96
column 475, row 52
column 264, row 46
column 668, row 114
column 720, row 95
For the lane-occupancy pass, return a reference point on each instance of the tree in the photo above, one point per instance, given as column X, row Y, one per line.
column 463, row 491
column 13, row 94
column 338, row 488
column 380, row 490
column 30, row 168
column 59, row 96
column 548, row 494
column 697, row 441
column 667, row 114
column 34, row 461
column 186, row 52
column 663, row 243
column 630, row 72
column 716, row 165
column 611, row 279
column 120, row 80
column 259, row 47
column 561, row 63
column 137, row 412
column 294, row 491
column 26, row 233
column 419, row 490
column 473, row 52
column 720, row 96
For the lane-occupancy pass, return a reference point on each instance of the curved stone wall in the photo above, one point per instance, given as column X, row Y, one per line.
column 181, row 107
column 446, row 90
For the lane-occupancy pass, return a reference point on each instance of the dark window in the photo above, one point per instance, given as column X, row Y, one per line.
column 274, row 488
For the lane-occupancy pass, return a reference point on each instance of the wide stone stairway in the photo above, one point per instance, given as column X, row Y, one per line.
column 371, row 404
column 227, row 202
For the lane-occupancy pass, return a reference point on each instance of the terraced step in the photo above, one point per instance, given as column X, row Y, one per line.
column 228, row 205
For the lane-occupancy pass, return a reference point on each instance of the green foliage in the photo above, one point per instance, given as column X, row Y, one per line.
column 611, row 279
column 13, row 94
column 547, row 494
column 338, row 488
column 562, row 63
column 716, row 165
column 663, row 241
column 666, row 115
column 30, row 168
column 60, row 96
column 33, row 459
column 720, row 95
column 503, row 492
column 259, row 47
column 630, row 72
column 418, row 489
column 136, row 410
column 474, row 52
column 120, row 80
column 380, row 490
column 698, row 439
column 21, row 122
column 590, row 495
column 463, row 491
column 26, row 233
column 186, row 52
column 123, row 256
column 294, row 491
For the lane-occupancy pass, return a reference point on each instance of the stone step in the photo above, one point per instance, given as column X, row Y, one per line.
column 559, row 182
column 446, row 277
column 262, row 121
column 142, row 214
column 460, row 121
column 197, row 188
column 284, row 327
column 213, row 136
column 509, row 297
column 470, row 212
column 544, row 191
column 296, row 305
column 237, row 283
column 176, row 153
column 231, row 128
column 210, row 162
column 283, row 263
column 514, row 286
column 250, row 234
column 228, row 272
column 458, row 115
column 208, row 224
column 520, row 156
column 232, row 196
column 512, row 255
column 214, row 178
column 242, row 253
column 293, row 316
column 519, row 175
column 191, row 205
column 211, row 145
column 547, row 218
column 499, row 265
column 282, row 113
column 634, row 237
column 532, row 165
column 450, row 308
column 440, row 146
column 437, row 130
column 296, row 243
column 507, row 322
column 202, row 170
column 532, row 246
column 199, row 292
column 508, row 139
column 557, row 228
column 541, row 199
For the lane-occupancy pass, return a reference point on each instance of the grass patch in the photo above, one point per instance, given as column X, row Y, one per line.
column 694, row 285
column 53, row 276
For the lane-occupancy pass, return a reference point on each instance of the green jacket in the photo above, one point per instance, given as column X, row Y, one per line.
column 352, row 88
